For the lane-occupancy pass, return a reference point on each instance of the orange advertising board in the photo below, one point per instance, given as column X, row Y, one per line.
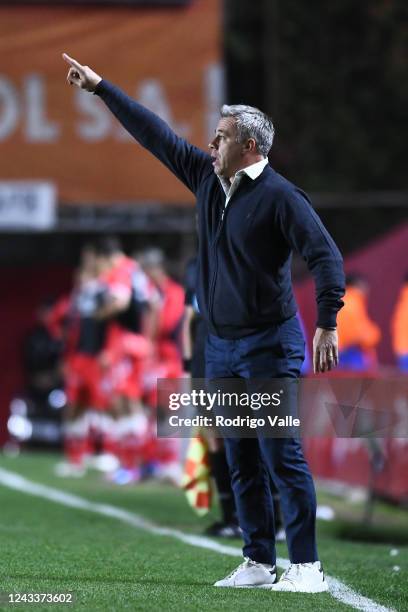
column 168, row 59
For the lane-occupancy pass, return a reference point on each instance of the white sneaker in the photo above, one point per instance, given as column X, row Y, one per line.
column 303, row 578
column 250, row 574
column 103, row 463
column 69, row 470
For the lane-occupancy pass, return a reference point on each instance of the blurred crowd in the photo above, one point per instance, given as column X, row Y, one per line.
column 359, row 334
column 108, row 342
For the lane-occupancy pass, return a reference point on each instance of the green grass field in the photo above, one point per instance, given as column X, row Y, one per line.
column 110, row 565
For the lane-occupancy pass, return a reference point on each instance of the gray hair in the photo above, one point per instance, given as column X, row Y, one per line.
column 251, row 123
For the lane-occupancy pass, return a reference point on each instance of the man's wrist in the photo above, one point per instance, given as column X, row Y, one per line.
column 97, row 87
column 327, row 319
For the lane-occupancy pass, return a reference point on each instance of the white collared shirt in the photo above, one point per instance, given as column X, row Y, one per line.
column 253, row 171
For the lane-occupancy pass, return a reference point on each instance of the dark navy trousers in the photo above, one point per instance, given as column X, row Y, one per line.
column 277, row 352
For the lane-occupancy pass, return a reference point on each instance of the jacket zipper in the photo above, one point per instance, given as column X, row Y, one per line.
column 214, row 276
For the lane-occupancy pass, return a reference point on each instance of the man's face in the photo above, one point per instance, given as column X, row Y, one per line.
column 89, row 261
column 103, row 263
column 227, row 153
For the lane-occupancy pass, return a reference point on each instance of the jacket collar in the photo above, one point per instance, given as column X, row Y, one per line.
column 254, row 171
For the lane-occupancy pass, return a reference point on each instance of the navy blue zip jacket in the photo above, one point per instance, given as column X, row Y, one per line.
column 244, row 281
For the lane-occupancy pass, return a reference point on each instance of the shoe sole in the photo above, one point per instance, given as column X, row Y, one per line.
column 266, row 585
column 256, row 586
column 323, row 589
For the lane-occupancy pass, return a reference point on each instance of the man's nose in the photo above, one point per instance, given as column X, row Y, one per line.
column 212, row 144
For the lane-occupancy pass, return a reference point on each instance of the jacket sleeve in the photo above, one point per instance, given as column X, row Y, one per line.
column 187, row 162
column 305, row 233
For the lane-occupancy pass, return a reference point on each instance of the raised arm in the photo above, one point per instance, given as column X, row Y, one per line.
column 187, row 162
column 305, row 232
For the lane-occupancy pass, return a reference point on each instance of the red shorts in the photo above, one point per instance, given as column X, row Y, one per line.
column 83, row 382
column 126, row 354
column 169, row 357
column 125, row 378
column 166, row 364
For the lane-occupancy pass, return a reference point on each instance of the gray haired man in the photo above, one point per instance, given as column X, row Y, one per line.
column 250, row 219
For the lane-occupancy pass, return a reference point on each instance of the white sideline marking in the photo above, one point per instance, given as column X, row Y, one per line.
column 14, row 481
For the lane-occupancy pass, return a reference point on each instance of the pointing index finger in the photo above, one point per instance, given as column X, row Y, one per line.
column 71, row 61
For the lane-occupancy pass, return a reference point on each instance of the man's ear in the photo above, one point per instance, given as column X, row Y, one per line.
column 250, row 146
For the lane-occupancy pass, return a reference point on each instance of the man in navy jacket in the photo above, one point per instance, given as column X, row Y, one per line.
column 250, row 219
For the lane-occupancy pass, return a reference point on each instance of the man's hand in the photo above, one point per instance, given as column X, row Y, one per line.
column 81, row 76
column 325, row 350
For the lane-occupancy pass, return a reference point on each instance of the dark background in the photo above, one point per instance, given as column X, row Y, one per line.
column 334, row 78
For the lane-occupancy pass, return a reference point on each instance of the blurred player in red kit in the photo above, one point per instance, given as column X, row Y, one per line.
column 128, row 310
column 84, row 337
column 167, row 360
